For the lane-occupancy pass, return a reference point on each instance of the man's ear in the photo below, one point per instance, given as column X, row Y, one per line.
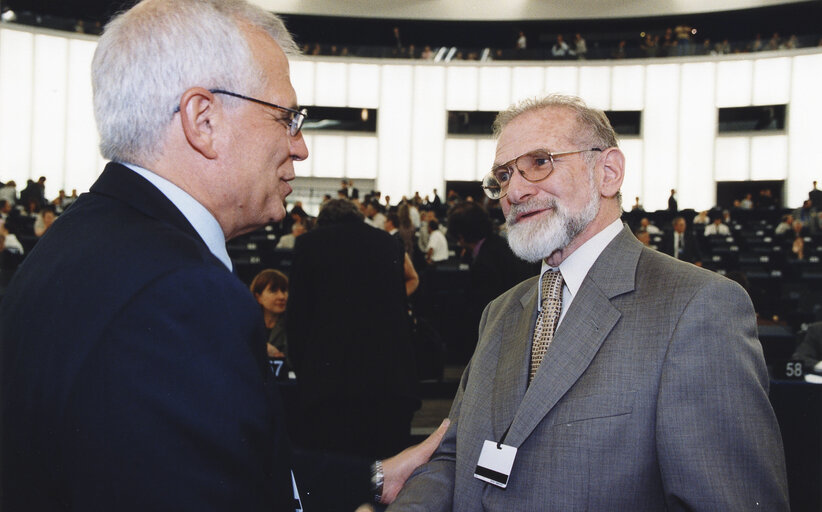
column 197, row 115
column 613, row 172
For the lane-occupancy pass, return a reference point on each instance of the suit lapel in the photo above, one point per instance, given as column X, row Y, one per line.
column 512, row 365
column 121, row 183
column 579, row 337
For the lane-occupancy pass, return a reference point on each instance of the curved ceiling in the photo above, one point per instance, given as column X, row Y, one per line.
column 510, row 10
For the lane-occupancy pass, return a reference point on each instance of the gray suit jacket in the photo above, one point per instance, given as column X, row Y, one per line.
column 652, row 396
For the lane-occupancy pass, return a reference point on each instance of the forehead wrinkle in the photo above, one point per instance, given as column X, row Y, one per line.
column 560, row 124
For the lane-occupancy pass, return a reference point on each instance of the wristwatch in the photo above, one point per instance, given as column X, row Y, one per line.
column 377, row 478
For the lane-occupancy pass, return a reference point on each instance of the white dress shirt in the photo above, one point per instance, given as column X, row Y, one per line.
column 438, row 242
column 576, row 266
column 200, row 218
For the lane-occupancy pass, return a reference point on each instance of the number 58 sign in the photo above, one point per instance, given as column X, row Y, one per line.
column 788, row 370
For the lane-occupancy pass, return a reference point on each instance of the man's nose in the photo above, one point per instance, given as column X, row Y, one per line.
column 299, row 150
column 519, row 189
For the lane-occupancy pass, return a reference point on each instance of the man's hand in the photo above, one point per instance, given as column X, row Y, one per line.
column 399, row 467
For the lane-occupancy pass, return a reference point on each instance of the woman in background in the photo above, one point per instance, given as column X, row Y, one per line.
column 270, row 288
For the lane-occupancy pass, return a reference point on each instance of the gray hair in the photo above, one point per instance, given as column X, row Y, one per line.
column 149, row 55
column 594, row 128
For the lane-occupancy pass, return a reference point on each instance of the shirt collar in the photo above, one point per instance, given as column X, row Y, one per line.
column 576, row 266
column 197, row 215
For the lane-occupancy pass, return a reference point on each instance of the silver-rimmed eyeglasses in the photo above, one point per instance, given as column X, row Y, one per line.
column 295, row 122
column 534, row 166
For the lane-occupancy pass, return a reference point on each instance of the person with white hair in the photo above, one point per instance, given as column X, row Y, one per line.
column 145, row 387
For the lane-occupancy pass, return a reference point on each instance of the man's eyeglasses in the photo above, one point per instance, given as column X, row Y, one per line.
column 295, row 122
column 533, row 166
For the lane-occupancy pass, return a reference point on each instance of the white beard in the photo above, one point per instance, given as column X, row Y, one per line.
column 535, row 241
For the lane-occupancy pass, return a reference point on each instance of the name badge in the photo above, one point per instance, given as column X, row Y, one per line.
column 495, row 463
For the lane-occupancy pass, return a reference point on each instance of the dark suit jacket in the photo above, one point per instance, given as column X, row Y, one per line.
column 690, row 250
column 349, row 335
column 133, row 376
column 494, row 271
column 653, row 395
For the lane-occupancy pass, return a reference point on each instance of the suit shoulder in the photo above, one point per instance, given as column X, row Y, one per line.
column 657, row 270
column 515, row 293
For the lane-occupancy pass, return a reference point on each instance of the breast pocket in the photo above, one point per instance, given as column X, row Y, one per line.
column 593, row 407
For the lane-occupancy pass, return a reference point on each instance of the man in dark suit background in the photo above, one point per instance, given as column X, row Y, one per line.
column 349, row 336
column 133, row 373
column 493, row 266
column 681, row 243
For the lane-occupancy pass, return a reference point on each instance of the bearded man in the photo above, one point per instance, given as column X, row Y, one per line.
column 621, row 378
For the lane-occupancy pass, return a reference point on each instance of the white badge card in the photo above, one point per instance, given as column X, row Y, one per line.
column 495, row 463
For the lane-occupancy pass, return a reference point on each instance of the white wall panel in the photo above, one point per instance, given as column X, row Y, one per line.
column 804, row 149
column 562, row 79
column 46, row 121
column 306, row 167
column 49, row 113
column 302, row 78
column 771, row 81
column 595, row 86
column 494, row 87
column 769, row 157
column 527, row 82
column 429, row 129
column 81, row 156
column 462, row 88
column 394, row 130
column 627, row 88
column 331, row 86
column 361, row 156
column 329, row 156
column 632, row 183
column 733, row 158
column 363, row 85
column 16, row 87
column 697, row 129
column 461, row 159
column 486, row 149
column 734, row 83
column 661, row 134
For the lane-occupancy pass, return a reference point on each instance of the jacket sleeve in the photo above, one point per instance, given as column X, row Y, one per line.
column 717, row 438
column 430, row 487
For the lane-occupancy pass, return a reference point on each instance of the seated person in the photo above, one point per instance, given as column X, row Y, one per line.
column 717, row 228
column 44, row 220
column 437, row 244
column 287, row 241
column 270, row 288
column 12, row 243
column 702, row 218
column 809, row 350
column 799, row 234
column 644, row 237
column 645, row 224
column 786, row 226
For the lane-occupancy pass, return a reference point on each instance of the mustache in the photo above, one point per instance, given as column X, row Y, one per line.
column 534, row 204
